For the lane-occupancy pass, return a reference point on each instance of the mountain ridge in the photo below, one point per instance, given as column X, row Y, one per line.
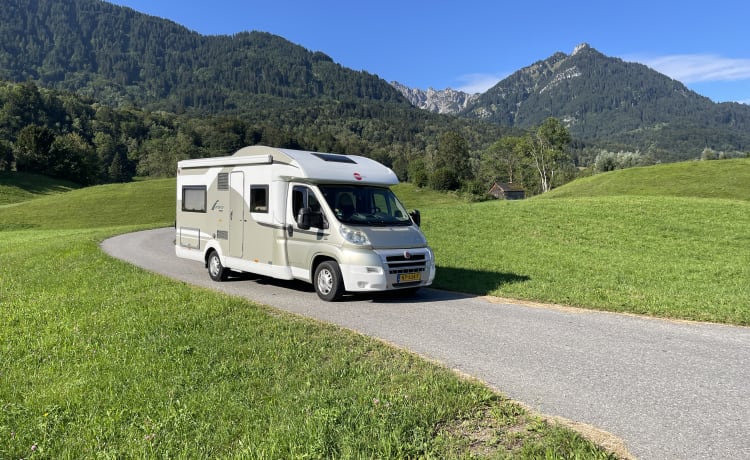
column 607, row 101
column 444, row 101
column 120, row 57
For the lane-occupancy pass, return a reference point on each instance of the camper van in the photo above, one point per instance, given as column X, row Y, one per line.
column 324, row 218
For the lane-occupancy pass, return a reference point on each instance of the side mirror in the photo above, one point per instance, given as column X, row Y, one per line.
column 308, row 218
column 416, row 217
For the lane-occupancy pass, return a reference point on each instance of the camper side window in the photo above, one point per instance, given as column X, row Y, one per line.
column 194, row 198
column 258, row 198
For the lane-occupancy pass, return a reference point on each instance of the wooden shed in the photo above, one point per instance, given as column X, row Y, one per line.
column 504, row 191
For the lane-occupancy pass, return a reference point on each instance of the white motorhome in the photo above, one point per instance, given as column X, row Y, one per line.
column 324, row 218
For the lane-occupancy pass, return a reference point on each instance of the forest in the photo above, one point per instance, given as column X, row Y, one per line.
column 96, row 93
column 63, row 135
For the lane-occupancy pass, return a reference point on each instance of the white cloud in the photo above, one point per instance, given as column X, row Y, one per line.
column 696, row 68
column 477, row 82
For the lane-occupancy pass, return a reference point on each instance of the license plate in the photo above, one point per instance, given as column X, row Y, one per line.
column 408, row 277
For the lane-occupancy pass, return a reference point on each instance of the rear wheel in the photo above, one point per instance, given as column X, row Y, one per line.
column 216, row 270
column 328, row 282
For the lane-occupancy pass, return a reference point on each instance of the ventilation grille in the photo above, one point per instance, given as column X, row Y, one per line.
column 223, row 182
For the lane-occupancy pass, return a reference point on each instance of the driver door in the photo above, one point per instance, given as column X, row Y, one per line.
column 302, row 245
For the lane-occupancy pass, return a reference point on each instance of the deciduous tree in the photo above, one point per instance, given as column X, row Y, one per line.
column 548, row 151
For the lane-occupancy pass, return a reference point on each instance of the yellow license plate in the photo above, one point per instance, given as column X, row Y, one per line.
column 407, row 277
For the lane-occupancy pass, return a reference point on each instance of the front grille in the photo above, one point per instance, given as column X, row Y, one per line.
column 400, row 264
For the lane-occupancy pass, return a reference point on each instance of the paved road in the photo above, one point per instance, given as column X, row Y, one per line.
column 669, row 390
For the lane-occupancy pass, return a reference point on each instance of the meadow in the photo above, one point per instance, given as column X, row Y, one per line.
column 99, row 359
column 668, row 241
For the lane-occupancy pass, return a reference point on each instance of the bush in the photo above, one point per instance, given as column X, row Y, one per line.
column 444, row 179
column 417, row 172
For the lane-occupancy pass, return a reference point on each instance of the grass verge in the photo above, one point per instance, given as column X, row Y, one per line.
column 662, row 256
column 99, row 359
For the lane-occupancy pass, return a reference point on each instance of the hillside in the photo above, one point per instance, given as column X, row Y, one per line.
column 17, row 187
column 118, row 55
column 726, row 179
column 147, row 91
column 617, row 105
column 149, row 202
column 279, row 93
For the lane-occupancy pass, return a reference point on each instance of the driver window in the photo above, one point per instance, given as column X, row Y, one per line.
column 312, row 202
column 304, row 197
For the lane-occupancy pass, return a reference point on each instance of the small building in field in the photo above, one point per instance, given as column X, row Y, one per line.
column 504, row 191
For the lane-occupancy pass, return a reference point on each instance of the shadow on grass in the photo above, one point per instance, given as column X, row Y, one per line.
column 36, row 184
column 14, row 227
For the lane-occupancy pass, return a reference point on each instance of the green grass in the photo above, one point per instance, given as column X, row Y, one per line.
column 147, row 203
column 669, row 240
column 99, row 359
column 662, row 256
column 417, row 198
column 727, row 179
column 16, row 187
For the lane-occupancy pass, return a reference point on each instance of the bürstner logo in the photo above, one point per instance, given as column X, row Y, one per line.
column 358, row 176
column 407, row 255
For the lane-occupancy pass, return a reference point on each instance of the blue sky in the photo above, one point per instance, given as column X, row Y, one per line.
column 470, row 45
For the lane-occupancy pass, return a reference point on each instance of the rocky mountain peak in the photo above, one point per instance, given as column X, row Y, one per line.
column 579, row 48
column 446, row 101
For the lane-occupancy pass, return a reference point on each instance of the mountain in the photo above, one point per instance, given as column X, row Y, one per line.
column 286, row 94
column 446, row 101
column 612, row 103
column 119, row 56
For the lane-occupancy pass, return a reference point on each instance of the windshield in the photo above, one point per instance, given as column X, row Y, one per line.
column 365, row 205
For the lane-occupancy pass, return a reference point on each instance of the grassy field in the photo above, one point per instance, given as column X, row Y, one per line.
column 16, row 187
column 668, row 240
column 99, row 359
column 726, row 179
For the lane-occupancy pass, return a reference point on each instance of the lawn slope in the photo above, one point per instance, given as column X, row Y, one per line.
column 668, row 240
column 727, row 179
column 150, row 203
column 16, row 187
column 99, row 359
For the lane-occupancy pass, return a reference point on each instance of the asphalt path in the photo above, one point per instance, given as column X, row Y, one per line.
column 667, row 389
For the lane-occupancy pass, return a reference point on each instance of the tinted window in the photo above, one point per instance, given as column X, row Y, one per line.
column 194, row 198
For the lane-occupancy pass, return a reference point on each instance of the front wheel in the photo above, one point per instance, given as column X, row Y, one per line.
column 328, row 282
column 216, row 270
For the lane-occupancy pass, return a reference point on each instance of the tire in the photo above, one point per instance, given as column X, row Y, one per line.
column 216, row 270
column 329, row 285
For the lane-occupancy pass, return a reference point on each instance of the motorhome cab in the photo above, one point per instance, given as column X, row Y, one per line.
column 324, row 218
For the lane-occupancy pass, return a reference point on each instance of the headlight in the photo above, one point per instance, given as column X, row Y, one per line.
column 357, row 237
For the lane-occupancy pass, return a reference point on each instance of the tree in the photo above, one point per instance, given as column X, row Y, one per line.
column 418, row 173
column 32, row 149
column 6, row 156
column 504, row 159
column 453, row 154
column 444, row 179
column 548, row 151
column 72, row 158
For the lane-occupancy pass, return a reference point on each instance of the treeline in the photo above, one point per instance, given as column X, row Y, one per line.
column 63, row 135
